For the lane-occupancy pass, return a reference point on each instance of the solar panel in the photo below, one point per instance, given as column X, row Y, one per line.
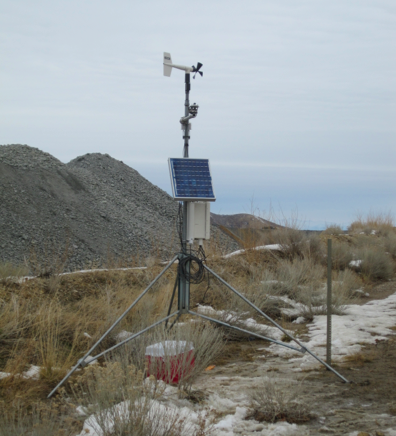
column 191, row 179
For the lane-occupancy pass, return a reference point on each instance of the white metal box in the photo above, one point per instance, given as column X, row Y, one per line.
column 198, row 221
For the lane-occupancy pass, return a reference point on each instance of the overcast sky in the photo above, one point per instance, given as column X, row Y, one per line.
column 296, row 105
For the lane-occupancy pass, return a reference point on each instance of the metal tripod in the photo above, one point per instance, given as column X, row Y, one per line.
column 183, row 287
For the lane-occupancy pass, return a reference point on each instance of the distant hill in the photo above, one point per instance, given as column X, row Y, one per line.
column 83, row 213
column 242, row 221
column 244, row 228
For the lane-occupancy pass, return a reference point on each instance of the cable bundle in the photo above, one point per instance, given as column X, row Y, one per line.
column 197, row 271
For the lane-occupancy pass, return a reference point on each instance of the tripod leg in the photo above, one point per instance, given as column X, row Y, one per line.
column 114, row 325
column 173, row 296
column 175, row 321
column 247, row 331
column 254, row 307
column 276, row 324
column 130, row 338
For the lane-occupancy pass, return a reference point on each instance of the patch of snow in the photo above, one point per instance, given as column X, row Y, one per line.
column 249, row 323
column 224, row 315
column 82, row 271
column 360, row 291
column 94, row 362
column 82, row 411
column 299, row 320
column 123, row 335
column 33, row 372
column 296, row 309
column 267, row 330
column 355, row 263
column 366, row 324
column 168, row 348
column 261, row 247
column 4, row 375
column 121, row 411
column 230, row 421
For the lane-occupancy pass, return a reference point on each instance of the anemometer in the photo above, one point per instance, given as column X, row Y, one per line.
column 189, row 111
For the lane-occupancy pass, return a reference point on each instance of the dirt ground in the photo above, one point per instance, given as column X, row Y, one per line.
column 366, row 404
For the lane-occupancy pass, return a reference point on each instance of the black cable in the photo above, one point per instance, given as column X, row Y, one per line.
column 195, row 260
column 179, row 223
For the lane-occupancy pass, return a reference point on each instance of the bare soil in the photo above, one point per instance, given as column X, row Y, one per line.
column 366, row 404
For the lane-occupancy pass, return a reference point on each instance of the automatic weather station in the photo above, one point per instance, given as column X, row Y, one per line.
column 192, row 188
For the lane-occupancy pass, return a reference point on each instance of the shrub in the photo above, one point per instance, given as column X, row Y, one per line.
column 333, row 229
column 271, row 404
column 314, row 248
column 365, row 241
column 390, row 245
column 344, row 284
column 375, row 264
column 304, row 282
column 382, row 224
column 207, row 342
column 122, row 402
column 262, row 292
column 38, row 420
column 291, row 240
column 341, row 254
column 292, row 275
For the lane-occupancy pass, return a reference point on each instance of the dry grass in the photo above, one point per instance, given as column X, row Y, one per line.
column 40, row 419
column 359, row 358
column 11, row 273
column 271, row 403
column 53, row 330
column 380, row 223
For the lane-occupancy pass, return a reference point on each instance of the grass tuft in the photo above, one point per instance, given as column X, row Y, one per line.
column 271, row 403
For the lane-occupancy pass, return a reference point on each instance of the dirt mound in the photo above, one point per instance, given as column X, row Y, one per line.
column 82, row 213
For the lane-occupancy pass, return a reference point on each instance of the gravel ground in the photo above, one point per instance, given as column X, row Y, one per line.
column 85, row 213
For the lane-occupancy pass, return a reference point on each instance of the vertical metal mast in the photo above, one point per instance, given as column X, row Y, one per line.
column 184, row 284
column 186, row 126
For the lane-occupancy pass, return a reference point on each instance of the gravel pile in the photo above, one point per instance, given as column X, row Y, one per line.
column 86, row 213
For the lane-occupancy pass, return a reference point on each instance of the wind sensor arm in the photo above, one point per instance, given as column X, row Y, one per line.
column 168, row 65
column 189, row 111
